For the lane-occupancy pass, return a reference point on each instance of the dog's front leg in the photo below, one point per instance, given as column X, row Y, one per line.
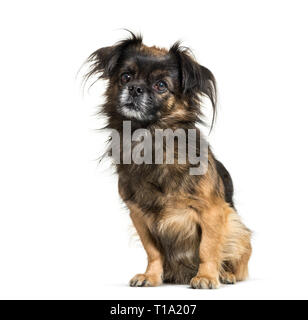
column 212, row 223
column 154, row 272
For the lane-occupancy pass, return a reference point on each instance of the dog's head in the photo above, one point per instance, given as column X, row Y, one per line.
column 149, row 84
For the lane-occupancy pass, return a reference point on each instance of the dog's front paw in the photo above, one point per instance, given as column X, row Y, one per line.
column 146, row 280
column 204, row 283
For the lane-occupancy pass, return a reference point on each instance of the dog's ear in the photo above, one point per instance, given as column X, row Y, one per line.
column 104, row 61
column 194, row 78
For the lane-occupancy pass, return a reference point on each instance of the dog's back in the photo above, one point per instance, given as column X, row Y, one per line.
column 227, row 181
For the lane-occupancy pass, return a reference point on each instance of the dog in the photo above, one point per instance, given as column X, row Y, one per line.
column 187, row 223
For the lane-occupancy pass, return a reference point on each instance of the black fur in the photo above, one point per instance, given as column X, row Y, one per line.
column 227, row 181
column 195, row 78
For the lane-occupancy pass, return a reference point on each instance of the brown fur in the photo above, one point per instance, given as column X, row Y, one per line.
column 187, row 224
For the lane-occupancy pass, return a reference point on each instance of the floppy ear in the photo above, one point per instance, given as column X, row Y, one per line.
column 105, row 60
column 195, row 79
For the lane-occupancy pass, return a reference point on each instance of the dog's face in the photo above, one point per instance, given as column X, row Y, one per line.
column 149, row 84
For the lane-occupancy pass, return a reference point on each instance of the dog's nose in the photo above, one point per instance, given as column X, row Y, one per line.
column 135, row 90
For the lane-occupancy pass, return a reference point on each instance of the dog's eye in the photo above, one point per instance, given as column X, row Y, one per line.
column 125, row 77
column 160, row 86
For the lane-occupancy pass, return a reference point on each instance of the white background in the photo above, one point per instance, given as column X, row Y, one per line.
column 64, row 233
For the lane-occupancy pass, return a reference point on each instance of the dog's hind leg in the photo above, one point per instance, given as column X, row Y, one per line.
column 241, row 266
column 237, row 251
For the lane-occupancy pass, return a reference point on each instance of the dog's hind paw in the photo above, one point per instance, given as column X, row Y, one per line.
column 228, row 278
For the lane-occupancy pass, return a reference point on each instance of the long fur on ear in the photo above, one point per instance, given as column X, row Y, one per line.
column 195, row 79
column 104, row 60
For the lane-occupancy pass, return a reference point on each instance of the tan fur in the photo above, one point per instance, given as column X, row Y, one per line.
column 225, row 242
column 224, row 246
column 154, row 51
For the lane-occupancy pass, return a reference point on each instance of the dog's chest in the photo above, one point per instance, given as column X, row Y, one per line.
column 169, row 214
column 146, row 194
column 175, row 223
